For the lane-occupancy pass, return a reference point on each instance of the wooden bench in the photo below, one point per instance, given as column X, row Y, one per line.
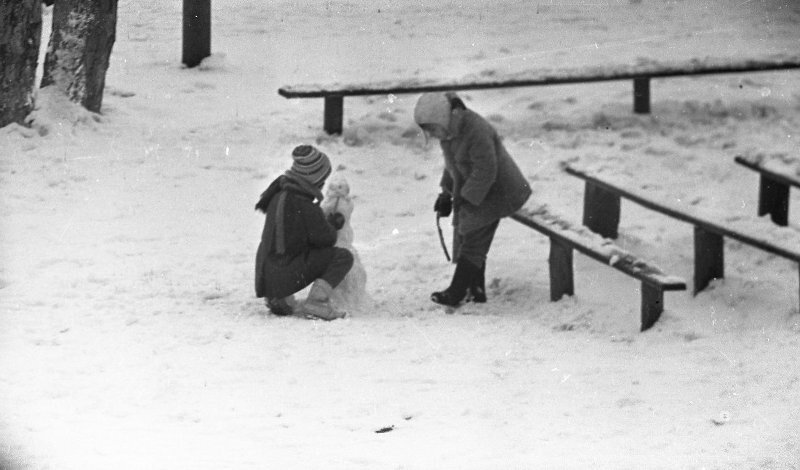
column 777, row 173
column 564, row 237
column 601, row 214
column 640, row 73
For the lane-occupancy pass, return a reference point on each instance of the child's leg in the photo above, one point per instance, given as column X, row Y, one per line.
column 470, row 263
column 338, row 267
column 318, row 302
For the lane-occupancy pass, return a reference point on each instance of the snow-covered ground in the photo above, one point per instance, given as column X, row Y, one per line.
column 130, row 337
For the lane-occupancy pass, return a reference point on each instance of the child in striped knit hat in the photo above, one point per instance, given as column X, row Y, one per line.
column 297, row 243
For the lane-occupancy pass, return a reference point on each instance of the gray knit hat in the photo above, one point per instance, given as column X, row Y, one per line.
column 310, row 164
column 433, row 108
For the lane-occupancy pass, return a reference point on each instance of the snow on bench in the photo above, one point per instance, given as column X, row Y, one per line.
column 778, row 171
column 564, row 237
column 601, row 213
column 641, row 72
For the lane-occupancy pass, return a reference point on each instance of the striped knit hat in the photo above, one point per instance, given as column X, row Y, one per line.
column 310, row 164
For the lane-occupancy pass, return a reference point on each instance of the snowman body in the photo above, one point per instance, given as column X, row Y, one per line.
column 351, row 293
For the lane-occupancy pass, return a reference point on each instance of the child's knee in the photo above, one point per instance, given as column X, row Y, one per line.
column 344, row 257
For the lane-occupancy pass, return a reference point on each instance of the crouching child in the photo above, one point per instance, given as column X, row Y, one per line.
column 297, row 243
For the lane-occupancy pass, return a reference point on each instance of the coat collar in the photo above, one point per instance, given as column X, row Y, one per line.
column 456, row 123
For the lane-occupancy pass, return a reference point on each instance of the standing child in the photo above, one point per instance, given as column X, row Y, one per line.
column 480, row 185
column 297, row 243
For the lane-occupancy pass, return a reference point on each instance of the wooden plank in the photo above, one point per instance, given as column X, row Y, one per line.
column 595, row 247
column 564, row 237
column 547, row 77
column 753, row 164
column 755, row 238
column 773, row 184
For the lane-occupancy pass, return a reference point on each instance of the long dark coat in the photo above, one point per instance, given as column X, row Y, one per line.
column 485, row 182
column 297, row 247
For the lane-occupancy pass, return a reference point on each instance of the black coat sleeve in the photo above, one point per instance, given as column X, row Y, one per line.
column 319, row 232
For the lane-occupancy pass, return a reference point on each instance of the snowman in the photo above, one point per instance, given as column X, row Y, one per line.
column 351, row 293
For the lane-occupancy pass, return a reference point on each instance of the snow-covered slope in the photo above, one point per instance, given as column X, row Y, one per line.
column 129, row 332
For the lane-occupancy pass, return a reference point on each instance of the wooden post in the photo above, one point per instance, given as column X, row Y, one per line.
column 641, row 95
column 773, row 199
column 196, row 31
column 601, row 210
column 561, row 275
column 652, row 305
column 709, row 258
column 334, row 111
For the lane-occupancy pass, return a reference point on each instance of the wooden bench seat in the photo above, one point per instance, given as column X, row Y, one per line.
column 601, row 213
column 564, row 237
column 640, row 74
column 778, row 172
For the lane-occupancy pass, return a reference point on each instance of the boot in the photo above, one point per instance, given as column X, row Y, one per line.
column 318, row 304
column 282, row 307
column 477, row 291
column 463, row 278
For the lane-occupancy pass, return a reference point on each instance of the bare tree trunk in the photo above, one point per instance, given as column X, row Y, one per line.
column 79, row 49
column 20, row 36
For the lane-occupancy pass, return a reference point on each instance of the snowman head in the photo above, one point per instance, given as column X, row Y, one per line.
column 337, row 187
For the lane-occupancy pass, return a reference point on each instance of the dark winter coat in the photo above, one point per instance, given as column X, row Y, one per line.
column 296, row 243
column 485, row 182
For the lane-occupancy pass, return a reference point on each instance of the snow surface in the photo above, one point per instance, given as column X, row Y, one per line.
column 130, row 337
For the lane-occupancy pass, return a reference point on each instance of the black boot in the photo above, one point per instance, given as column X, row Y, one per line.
column 477, row 291
column 463, row 278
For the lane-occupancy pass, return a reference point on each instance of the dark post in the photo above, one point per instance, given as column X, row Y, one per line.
column 709, row 258
column 641, row 95
column 561, row 275
column 652, row 305
column 601, row 210
column 334, row 110
column 196, row 31
column 21, row 26
column 773, row 199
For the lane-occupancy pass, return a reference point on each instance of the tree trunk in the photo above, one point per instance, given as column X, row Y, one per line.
column 79, row 49
column 20, row 36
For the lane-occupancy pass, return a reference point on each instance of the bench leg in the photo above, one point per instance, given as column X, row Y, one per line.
column 561, row 276
column 196, row 31
column 641, row 95
column 773, row 199
column 334, row 110
column 652, row 305
column 601, row 211
column 709, row 258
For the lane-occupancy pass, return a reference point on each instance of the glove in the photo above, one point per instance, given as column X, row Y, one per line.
column 337, row 220
column 443, row 205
